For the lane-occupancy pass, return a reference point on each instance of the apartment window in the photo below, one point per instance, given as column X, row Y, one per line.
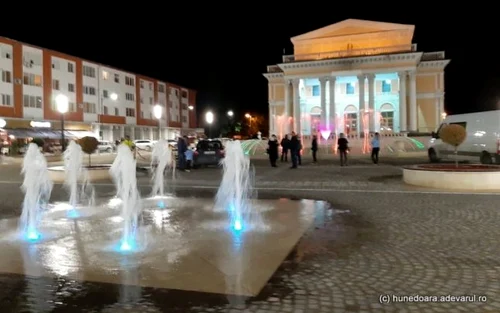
column 185, row 106
column 386, row 86
column 176, row 92
column 6, row 77
column 387, row 119
column 55, row 84
column 71, row 87
column 105, row 110
column 117, row 112
column 32, row 101
column 6, row 55
column 130, row 112
column 129, row 81
column 105, row 75
column 89, row 107
column 184, row 94
column 105, row 93
column 71, row 107
column 161, row 88
column 55, row 65
column 117, row 78
column 184, row 119
column 89, row 90
column 142, row 84
column 129, row 96
column 150, row 86
column 71, row 67
column 6, row 100
column 351, row 122
column 89, row 71
column 142, row 114
column 150, row 100
column 32, row 80
column 349, row 89
column 316, row 91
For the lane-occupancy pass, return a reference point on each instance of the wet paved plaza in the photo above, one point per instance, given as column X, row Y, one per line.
column 377, row 238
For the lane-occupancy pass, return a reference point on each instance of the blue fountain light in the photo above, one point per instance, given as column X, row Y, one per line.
column 237, row 225
column 126, row 245
column 161, row 204
column 72, row 213
column 33, row 235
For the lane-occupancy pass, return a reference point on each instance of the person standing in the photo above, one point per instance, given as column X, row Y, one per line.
column 375, row 148
column 294, row 149
column 189, row 159
column 181, row 150
column 314, row 148
column 285, row 147
column 272, row 150
column 343, row 147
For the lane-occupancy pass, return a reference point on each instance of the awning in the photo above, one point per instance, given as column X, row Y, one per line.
column 81, row 133
column 38, row 133
column 21, row 133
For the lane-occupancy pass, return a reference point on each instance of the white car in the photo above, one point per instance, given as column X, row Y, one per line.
column 144, row 144
column 105, row 146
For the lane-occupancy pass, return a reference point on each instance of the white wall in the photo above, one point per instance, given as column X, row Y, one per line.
column 174, row 99
column 185, row 105
column 162, row 100
column 61, row 73
column 33, row 64
column 113, row 81
column 91, row 82
column 6, row 88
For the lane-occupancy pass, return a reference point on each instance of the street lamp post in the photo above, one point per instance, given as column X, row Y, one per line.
column 209, row 118
column 62, row 104
column 157, row 111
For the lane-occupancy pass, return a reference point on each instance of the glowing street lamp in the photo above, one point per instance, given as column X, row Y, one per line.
column 158, row 111
column 230, row 113
column 209, row 118
column 191, row 107
column 248, row 116
column 62, row 104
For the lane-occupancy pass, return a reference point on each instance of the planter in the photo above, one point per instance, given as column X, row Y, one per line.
column 95, row 173
column 448, row 176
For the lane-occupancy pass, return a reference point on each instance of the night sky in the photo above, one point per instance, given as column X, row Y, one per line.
column 222, row 51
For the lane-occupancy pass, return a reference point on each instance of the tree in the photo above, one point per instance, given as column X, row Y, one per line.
column 89, row 145
column 453, row 134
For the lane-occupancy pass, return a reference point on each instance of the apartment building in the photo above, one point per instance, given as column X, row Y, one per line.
column 103, row 101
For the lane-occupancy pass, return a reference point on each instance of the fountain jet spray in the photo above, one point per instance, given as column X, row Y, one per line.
column 236, row 187
column 37, row 187
column 161, row 159
column 123, row 171
column 73, row 166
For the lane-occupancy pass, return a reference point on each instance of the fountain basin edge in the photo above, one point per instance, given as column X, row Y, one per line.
column 95, row 173
column 447, row 176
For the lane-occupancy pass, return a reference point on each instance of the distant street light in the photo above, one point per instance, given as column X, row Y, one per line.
column 230, row 113
column 62, row 104
column 248, row 115
column 158, row 111
column 209, row 118
column 113, row 96
column 191, row 107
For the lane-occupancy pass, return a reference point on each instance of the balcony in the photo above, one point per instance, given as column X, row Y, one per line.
column 350, row 53
column 433, row 56
column 274, row 69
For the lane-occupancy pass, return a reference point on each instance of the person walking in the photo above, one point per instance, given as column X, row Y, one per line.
column 343, row 147
column 272, row 150
column 314, row 148
column 294, row 150
column 285, row 147
column 375, row 148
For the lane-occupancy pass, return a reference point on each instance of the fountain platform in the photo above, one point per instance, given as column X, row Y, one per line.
column 186, row 246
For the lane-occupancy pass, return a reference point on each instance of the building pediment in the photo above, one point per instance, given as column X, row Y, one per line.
column 352, row 27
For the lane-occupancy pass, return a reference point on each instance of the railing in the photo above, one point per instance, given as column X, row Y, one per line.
column 433, row 56
column 274, row 69
column 350, row 53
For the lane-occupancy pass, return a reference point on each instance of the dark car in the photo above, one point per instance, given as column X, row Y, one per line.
column 208, row 152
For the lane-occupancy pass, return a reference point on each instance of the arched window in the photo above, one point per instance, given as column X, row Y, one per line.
column 387, row 117
column 350, row 119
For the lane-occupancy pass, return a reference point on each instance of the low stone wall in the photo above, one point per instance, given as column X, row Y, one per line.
column 473, row 177
column 95, row 173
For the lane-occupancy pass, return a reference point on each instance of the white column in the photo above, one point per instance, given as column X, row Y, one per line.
column 438, row 113
column 288, row 108
column 371, row 102
column 97, row 131
column 151, row 133
column 413, row 101
column 361, row 102
column 333, row 110
column 296, row 106
column 402, row 102
column 132, row 133
column 271, row 119
column 122, row 131
column 111, row 135
column 322, row 84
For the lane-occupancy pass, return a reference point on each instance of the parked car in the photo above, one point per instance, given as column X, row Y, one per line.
column 208, row 152
column 105, row 146
column 144, row 144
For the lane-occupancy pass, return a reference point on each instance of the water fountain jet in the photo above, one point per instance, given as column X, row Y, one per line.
column 73, row 166
column 123, row 172
column 236, row 187
column 37, row 187
column 161, row 160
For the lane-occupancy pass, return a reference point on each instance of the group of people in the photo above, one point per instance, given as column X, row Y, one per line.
column 293, row 145
column 185, row 154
